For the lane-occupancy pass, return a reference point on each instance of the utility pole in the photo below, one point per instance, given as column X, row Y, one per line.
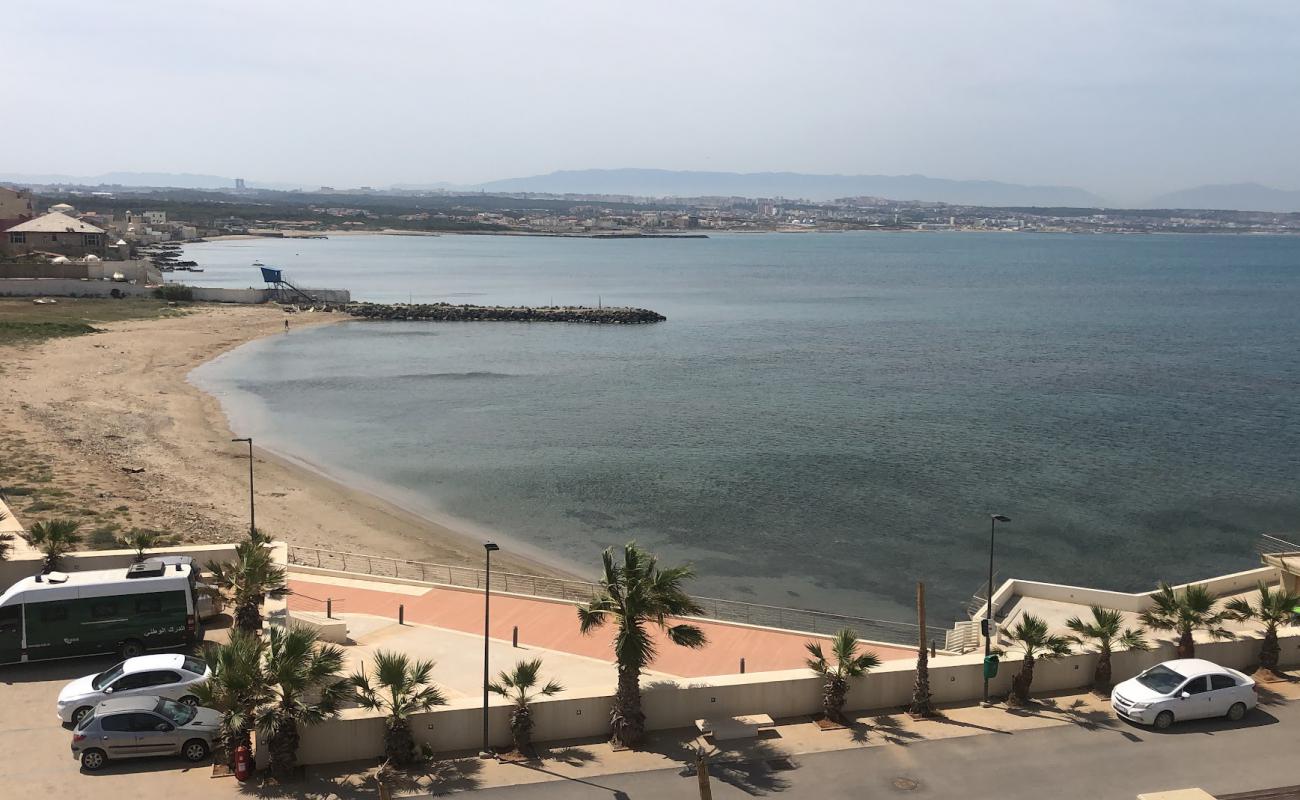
column 252, row 510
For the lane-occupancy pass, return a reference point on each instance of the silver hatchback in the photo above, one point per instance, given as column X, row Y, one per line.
column 129, row 727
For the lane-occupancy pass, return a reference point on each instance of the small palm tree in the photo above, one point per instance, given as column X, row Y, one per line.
column 401, row 688
column 517, row 687
column 1185, row 613
column 140, row 540
column 55, row 539
column 849, row 663
column 306, row 684
column 1106, row 629
column 1274, row 608
column 248, row 580
column 6, row 540
column 237, row 688
column 635, row 594
column 1033, row 637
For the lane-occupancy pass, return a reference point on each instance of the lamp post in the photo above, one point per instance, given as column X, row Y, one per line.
column 994, row 519
column 252, row 513
column 488, row 549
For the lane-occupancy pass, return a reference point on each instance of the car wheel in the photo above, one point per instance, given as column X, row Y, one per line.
column 93, row 760
column 80, row 714
column 195, row 750
column 131, row 648
column 189, row 700
column 1237, row 711
column 1164, row 719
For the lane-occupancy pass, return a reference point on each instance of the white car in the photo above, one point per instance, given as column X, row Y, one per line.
column 1185, row 688
column 169, row 675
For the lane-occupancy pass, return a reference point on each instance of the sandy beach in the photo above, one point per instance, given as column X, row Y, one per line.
column 109, row 430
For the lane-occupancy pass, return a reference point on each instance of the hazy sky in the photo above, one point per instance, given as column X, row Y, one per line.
column 1125, row 98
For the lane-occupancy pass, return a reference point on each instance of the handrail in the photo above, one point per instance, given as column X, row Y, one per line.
column 1267, row 544
column 806, row 620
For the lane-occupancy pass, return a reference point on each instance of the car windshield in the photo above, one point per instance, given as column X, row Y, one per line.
column 195, row 666
column 86, row 720
column 178, row 713
column 1161, row 679
column 105, row 678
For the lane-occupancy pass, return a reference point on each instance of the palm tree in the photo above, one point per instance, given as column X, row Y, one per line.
column 401, row 688
column 1194, row 609
column 634, row 594
column 237, row 688
column 516, row 686
column 1106, row 629
column 55, row 539
column 849, row 663
column 6, row 540
column 249, row 579
column 306, row 684
column 140, row 540
column 1274, row 608
column 1032, row 635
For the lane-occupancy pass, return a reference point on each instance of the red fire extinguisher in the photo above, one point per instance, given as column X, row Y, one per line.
column 243, row 763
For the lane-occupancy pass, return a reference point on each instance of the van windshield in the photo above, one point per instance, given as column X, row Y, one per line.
column 105, row 678
column 1161, row 679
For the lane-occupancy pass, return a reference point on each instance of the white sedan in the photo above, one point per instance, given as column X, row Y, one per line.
column 169, row 675
column 1185, row 688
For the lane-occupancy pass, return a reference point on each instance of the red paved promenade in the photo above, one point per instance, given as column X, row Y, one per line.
column 554, row 625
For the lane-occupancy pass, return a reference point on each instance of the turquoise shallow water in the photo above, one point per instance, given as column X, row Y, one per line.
column 824, row 419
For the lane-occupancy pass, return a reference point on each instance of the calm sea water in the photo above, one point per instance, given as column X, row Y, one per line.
column 824, row 419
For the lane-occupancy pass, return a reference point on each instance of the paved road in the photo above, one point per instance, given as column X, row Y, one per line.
column 1068, row 762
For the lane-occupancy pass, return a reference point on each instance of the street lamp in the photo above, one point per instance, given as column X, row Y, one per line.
column 252, row 514
column 488, row 549
column 994, row 519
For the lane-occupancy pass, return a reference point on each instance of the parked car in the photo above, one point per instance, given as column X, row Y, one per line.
column 169, row 675
column 1185, row 688
column 129, row 727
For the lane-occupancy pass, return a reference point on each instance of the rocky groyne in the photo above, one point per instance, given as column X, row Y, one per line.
column 445, row 312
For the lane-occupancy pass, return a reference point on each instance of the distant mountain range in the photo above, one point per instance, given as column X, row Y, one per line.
column 1240, row 196
column 793, row 185
column 676, row 183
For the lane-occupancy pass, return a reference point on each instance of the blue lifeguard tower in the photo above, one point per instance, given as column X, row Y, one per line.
column 285, row 292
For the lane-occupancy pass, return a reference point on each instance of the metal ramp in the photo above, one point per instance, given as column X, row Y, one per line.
column 285, row 291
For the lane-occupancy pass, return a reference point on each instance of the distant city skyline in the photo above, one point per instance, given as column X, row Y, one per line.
column 1126, row 101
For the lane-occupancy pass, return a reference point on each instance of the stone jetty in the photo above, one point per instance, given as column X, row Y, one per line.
column 445, row 312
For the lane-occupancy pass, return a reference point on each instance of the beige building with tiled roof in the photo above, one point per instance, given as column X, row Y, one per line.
column 54, row 233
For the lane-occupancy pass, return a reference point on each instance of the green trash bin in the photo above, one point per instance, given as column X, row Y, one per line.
column 990, row 667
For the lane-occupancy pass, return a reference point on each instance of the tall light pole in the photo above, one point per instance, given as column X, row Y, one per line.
column 488, row 549
column 994, row 519
column 252, row 511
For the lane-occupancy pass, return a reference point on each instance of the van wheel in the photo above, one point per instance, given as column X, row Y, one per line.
column 131, row 648
column 189, row 700
column 195, row 750
column 1237, row 711
column 80, row 714
column 93, row 760
column 1164, row 719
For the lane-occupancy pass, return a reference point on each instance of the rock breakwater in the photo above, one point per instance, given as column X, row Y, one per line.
column 445, row 312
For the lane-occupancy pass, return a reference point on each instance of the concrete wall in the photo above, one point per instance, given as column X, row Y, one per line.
column 57, row 287
column 1123, row 601
column 456, row 727
column 69, row 287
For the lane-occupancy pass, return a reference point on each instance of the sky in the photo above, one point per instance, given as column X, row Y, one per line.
column 1125, row 99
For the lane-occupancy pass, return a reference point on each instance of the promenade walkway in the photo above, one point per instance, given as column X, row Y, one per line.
column 553, row 625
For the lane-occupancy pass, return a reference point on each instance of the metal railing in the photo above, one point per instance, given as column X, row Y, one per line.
column 1268, row 545
column 797, row 619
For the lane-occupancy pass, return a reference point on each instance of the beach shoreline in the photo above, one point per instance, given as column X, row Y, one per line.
column 128, row 440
